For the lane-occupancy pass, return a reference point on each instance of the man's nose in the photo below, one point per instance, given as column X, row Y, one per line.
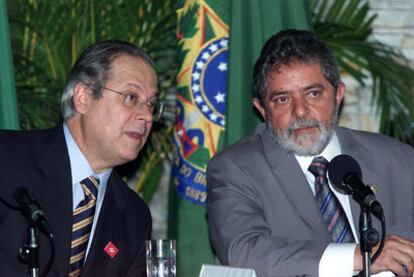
column 300, row 107
column 143, row 112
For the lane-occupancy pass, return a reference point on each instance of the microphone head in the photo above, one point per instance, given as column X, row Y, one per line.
column 339, row 168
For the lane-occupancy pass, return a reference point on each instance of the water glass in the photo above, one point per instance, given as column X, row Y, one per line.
column 161, row 257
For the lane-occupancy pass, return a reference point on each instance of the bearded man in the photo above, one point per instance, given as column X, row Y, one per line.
column 271, row 208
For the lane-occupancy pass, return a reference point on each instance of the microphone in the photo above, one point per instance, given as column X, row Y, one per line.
column 32, row 211
column 345, row 175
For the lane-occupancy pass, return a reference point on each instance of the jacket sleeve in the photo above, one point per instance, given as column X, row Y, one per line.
column 239, row 230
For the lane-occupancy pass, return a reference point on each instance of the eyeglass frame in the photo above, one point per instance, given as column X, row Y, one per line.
column 160, row 109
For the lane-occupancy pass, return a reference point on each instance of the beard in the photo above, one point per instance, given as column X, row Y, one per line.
column 305, row 144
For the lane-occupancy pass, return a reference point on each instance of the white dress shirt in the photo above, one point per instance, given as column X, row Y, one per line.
column 80, row 169
column 338, row 258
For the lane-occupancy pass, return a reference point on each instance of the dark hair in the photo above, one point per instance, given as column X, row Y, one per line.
column 289, row 46
column 92, row 69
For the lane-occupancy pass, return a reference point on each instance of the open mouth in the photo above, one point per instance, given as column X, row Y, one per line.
column 135, row 135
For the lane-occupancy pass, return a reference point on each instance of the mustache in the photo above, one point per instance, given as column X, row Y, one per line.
column 303, row 123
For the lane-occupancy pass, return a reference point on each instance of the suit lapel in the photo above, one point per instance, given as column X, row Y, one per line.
column 350, row 146
column 110, row 229
column 293, row 182
column 56, row 193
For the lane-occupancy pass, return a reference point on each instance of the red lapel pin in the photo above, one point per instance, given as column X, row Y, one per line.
column 111, row 249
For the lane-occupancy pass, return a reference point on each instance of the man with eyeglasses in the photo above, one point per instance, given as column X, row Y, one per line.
column 109, row 105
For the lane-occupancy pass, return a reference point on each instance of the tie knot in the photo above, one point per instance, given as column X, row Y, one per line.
column 319, row 166
column 90, row 186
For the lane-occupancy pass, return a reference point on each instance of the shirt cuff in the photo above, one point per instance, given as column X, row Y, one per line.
column 337, row 260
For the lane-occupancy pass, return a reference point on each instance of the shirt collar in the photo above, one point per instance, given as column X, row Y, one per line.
column 331, row 150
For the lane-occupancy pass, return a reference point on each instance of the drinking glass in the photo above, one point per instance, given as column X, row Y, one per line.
column 160, row 258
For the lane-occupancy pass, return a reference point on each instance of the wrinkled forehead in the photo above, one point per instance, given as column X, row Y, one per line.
column 127, row 66
column 132, row 73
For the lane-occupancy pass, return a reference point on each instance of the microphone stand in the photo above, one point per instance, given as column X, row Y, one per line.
column 369, row 237
column 29, row 252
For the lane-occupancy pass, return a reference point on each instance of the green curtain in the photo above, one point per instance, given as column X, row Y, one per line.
column 252, row 23
column 8, row 106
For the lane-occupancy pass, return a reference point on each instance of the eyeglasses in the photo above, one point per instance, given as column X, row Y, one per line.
column 131, row 101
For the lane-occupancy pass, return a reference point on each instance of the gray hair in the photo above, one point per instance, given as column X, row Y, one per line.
column 92, row 68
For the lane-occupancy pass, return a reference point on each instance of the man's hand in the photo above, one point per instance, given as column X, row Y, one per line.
column 396, row 256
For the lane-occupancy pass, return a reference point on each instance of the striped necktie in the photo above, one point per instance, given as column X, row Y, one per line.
column 82, row 224
column 331, row 210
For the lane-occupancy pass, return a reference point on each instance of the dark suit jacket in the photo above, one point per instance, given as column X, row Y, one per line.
column 262, row 212
column 39, row 161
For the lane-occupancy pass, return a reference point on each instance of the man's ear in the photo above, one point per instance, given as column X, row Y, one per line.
column 340, row 93
column 81, row 97
column 259, row 107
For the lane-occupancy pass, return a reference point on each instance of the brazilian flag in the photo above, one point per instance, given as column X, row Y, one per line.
column 219, row 40
column 203, row 36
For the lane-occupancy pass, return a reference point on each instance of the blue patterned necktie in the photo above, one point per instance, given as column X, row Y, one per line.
column 82, row 224
column 331, row 210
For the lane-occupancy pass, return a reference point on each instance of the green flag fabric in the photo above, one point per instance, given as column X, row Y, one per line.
column 8, row 105
column 200, row 122
column 214, row 104
column 252, row 23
